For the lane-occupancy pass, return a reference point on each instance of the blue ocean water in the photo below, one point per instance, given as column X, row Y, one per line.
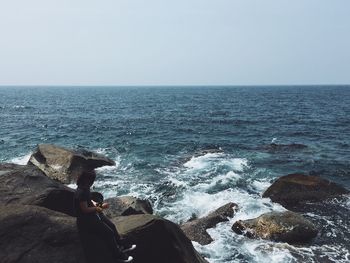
column 191, row 149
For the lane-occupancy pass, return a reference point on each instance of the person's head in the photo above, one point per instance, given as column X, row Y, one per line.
column 86, row 179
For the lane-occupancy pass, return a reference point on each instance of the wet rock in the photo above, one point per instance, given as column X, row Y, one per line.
column 127, row 205
column 64, row 164
column 286, row 226
column 196, row 229
column 293, row 189
column 25, row 184
column 158, row 240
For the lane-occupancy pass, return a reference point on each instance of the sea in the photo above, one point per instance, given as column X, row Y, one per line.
column 190, row 150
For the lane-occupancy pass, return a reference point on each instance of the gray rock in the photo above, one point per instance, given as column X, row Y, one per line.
column 158, row 240
column 25, row 184
column 65, row 165
column 196, row 229
column 293, row 189
column 31, row 234
column 286, row 226
column 127, row 205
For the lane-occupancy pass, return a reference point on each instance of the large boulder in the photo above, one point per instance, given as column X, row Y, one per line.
column 25, row 184
column 158, row 240
column 31, row 234
column 65, row 165
column 292, row 189
column 127, row 205
column 286, row 226
column 196, row 230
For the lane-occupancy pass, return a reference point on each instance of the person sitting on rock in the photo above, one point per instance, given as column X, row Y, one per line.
column 90, row 218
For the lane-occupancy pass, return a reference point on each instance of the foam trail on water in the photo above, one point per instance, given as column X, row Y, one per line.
column 208, row 160
column 21, row 160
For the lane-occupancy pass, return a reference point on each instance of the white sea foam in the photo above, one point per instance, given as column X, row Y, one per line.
column 178, row 183
column 237, row 164
column 211, row 160
column 19, row 107
column 117, row 160
column 200, row 186
column 201, row 162
column 22, row 160
column 260, row 185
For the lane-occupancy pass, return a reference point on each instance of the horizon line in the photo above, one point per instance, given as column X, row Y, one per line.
column 172, row 85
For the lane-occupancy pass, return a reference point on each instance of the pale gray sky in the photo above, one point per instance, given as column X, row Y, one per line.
column 155, row 42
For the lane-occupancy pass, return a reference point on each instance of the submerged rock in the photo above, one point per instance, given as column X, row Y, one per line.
column 195, row 229
column 64, row 164
column 287, row 227
column 158, row 240
column 274, row 147
column 292, row 189
column 127, row 205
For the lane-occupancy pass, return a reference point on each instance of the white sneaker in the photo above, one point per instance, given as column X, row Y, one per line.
column 128, row 249
column 129, row 259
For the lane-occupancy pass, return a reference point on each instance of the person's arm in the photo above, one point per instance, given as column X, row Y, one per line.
column 102, row 205
column 85, row 209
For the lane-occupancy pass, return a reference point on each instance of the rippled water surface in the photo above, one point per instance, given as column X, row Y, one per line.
column 191, row 149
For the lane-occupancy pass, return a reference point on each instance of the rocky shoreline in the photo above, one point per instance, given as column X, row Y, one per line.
column 37, row 221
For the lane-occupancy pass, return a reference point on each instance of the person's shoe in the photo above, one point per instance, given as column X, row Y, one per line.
column 125, row 260
column 128, row 249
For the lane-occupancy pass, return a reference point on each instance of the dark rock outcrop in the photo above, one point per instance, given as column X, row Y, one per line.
column 196, row 229
column 287, row 227
column 30, row 233
column 65, row 164
column 292, row 189
column 127, row 205
column 158, row 240
column 25, row 184
column 34, row 234
column 274, row 147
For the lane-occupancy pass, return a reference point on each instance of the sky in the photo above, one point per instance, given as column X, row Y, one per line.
column 174, row 42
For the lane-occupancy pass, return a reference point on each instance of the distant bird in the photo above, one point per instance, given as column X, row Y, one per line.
column 273, row 141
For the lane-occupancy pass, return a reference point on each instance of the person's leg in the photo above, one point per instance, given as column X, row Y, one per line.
column 125, row 245
column 99, row 228
column 109, row 223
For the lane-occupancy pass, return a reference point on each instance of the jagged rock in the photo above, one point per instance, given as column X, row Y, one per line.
column 292, row 189
column 34, row 234
column 196, row 229
column 286, row 226
column 26, row 184
column 31, row 234
column 65, row 164
column 127, row 205
column 158, row 240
